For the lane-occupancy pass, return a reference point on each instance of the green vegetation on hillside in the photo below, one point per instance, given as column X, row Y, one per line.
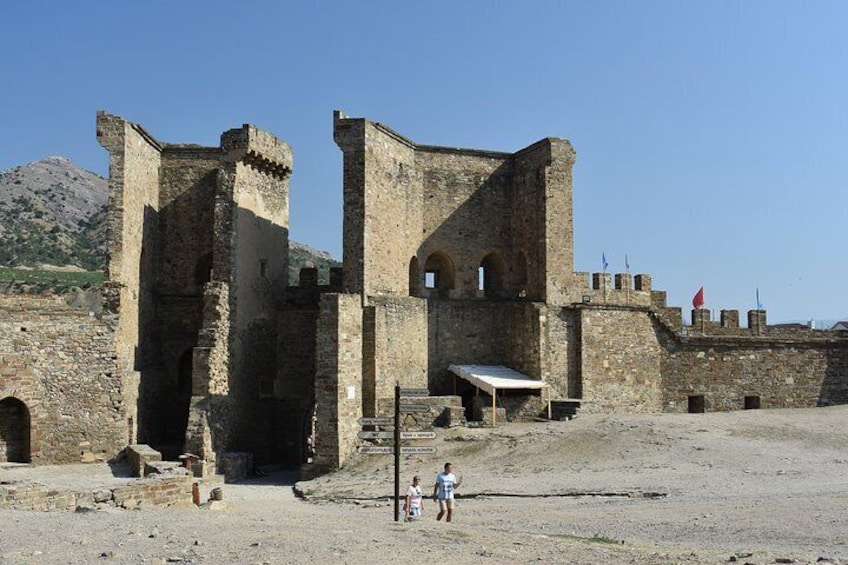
column 33, row 281
column 300, row 257
column 29, row 239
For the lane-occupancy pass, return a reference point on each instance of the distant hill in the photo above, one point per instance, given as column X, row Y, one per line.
column 301, row 255
column 52, row 224
column 52, row 212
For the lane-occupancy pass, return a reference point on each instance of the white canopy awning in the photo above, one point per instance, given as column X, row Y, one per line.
column 493, row 377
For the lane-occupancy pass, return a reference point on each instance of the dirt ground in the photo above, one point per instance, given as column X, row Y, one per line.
column 759, row 486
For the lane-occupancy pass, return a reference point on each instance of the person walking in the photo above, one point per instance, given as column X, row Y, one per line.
column 414, row 506
column 446, row 484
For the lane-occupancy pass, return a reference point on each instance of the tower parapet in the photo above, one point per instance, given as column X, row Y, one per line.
column 613, row 289
column 258, row 149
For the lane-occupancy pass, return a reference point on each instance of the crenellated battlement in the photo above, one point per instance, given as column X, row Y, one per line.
column 308, row 290
column 728, row 325
column 613, row 289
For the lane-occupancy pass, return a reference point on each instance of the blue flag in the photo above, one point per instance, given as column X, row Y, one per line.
column 626, row 263
column 759, row 304
column 604, row 261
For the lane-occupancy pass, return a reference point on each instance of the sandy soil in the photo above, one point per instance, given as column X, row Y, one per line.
column 766, row 486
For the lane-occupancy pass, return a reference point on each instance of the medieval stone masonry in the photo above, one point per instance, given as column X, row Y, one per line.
column 451, row 257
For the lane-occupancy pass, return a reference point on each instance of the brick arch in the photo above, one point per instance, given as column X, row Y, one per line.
column 15, row 431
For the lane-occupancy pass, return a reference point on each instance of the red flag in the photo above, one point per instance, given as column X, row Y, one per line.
column 698, row 300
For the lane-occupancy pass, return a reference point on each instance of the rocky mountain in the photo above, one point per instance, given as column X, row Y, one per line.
column 52, row 217
column 52, row 212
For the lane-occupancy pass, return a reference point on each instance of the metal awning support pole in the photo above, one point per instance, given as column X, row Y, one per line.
column 494, row 407
column 548, row 391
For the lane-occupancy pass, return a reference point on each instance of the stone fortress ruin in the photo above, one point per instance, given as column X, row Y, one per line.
column 452, row 257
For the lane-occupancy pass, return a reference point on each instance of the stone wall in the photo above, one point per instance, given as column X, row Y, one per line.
column 780, row 373
column 395, row 348
column 166, row 491
column 382, row 222
column 459, row 188
column 259, row 167
column 463, row 332
column 411, row 209
column 188, row 178
column 560, row 351
column 338, row 379
column 621, row 362
column 60, row 364
column 524, row 330
column 542, row 217
column 133, row 244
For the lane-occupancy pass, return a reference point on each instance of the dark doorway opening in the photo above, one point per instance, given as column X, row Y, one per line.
column 752, row 403
column 183, row 399
column 14, row 431
column 696, row 404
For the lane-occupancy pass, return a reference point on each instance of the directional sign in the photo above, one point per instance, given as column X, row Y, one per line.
column 414, row 408
column 376, row 435
column 414, row 392
column 377, row 421
column 416, row 435
column 377, row 449
column 417, row 450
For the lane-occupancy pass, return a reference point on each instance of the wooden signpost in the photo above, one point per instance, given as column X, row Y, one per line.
column 397, row 435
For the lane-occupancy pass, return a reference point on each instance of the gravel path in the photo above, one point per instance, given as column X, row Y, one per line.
column 749, row 487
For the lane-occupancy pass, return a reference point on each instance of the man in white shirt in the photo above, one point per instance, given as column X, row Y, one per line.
column 446, row 484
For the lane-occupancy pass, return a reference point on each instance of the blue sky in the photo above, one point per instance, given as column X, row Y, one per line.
column 711, row 137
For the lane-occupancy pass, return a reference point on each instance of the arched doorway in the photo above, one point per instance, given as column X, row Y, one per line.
column 14, row 431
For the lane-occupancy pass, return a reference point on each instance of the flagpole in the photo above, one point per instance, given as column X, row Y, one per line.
column 604, row 274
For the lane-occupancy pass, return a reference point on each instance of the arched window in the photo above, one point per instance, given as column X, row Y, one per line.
column 414, row 277
column 491, row 275
column 438, row 272
column 14, row 431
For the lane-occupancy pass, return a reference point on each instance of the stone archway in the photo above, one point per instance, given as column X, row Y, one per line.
column 14, row 431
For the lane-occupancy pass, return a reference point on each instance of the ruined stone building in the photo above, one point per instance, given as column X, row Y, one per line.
column 451, row 257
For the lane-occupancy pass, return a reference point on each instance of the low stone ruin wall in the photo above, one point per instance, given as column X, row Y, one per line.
column 166, row 491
